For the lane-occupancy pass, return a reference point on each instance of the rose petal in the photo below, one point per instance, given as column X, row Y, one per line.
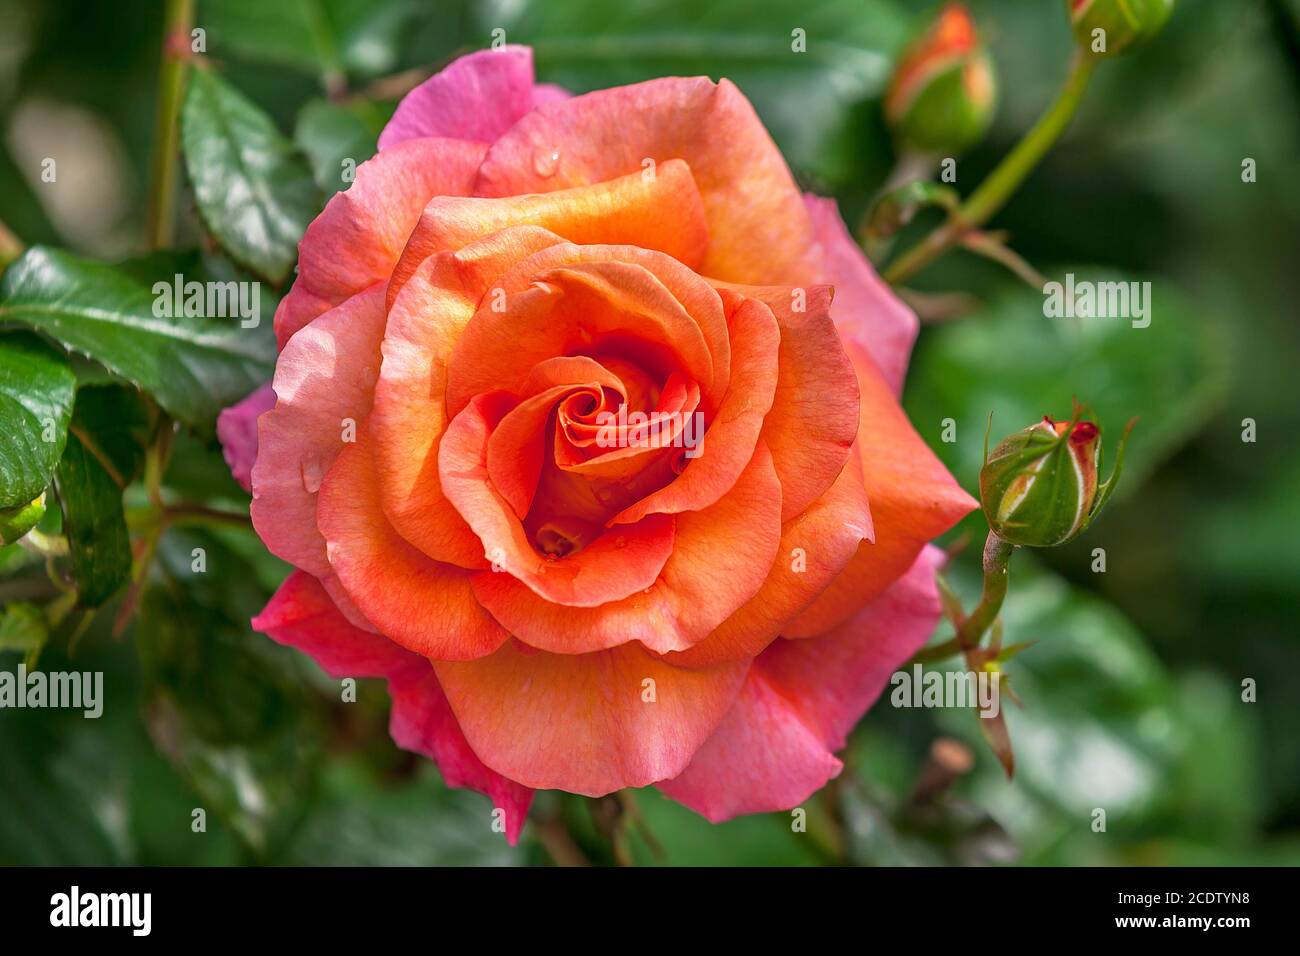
column 409, row 415
column 913, row 500
column 733, row 432
column 612, row 567
column 477, row 97
column 518, row 444
column 586, row 723
column 759, row 231
column 237, row 432
column 358, row 238
column 663, row 212
column 424, row 605
column 720, row 559
column 570, row 298
column 301, row 615
column 324, row 379
column 815, row 547
column 866, row 309
column 801, row 699
column 814, row 415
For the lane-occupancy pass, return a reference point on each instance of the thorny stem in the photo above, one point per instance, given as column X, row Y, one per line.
column 994, row 192
column 171, row 85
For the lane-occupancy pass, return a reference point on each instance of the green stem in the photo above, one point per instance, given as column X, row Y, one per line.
column 997, row 557
column 171, row 84
column 203, row 515
column 970, row 629
column 993, row 193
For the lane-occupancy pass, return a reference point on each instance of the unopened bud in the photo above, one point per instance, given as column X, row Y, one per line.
column 942, row 95
column 1040, row 486
column 1111, row 27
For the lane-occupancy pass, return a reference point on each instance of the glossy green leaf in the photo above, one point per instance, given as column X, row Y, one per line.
column 94, row 523
column 315, row 36
column 115, row 422
column 238, row 724
column 82, row 792
column 253, row 190
column 193, row 366
column 37, row 388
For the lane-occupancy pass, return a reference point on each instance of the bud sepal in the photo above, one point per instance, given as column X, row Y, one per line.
column 1040, row 488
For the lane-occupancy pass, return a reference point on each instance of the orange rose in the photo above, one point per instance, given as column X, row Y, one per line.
column 571, row 446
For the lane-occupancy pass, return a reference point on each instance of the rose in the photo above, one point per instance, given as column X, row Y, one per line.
column 550, row 612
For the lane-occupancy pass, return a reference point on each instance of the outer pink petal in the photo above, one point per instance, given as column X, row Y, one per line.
column 359, row 236
column 800, row 700
column 301, row 615
column 544, row 93
column 586, row 723
column 478, row 97
column 325, row 376
column 237, row 432
column 865, row 309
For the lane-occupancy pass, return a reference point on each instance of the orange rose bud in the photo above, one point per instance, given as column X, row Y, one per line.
column 1040, row 486
column 1111, row 27
column 942, row 95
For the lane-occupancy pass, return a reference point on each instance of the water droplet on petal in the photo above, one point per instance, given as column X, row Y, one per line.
column 546, row 162
column 313, row 473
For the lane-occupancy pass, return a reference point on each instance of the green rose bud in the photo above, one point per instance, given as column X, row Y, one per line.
column 16, row 522
column 1111, row 27
column 1040, row 486
column 942, row 95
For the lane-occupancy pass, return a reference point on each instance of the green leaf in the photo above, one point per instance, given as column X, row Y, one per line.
column 338, row 138
column 94, row 524
column 115, row 422
column 316, row 36
column 193, row 366
column 360, row 821
column 254, row 192
column 1010, row 359
column 37, row 389
column 811, row 101
column 82, row 792
column 224, row 701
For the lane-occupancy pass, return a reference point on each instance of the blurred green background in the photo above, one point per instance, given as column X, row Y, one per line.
column 1132, row 695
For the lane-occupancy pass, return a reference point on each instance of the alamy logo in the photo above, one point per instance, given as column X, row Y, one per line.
column 1098, row 300
column 77, row 690
column 103, row 909
column 960, row 689
column 651, row 430
column 210, row 300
